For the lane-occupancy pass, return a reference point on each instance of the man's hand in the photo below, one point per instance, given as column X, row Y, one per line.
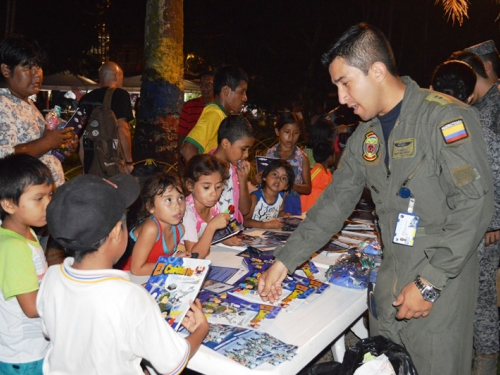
column 270, row 282
column 411, row 304
column 491, row 237
column 57, row 138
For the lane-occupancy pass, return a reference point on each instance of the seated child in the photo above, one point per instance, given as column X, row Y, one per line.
column 204, row 178
column 96, row 319
column 288, row 131
column 268, row 202
column 26, row 187
column 321, row 176
column 160, row 229
column 235, row 138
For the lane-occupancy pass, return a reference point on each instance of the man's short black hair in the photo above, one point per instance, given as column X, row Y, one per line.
column 17, row 172
column 19, row 50
column 455, row 78
column 322, row 151
column 228, row 76
column 233, row 128
column 472, row 59
column 361, row 46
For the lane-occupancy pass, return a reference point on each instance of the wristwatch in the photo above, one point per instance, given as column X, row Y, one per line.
column 429, row 293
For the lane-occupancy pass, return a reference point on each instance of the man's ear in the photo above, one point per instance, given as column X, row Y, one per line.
column 5, row 70
column 7, row 204
column 488, row 66
column 379, row 71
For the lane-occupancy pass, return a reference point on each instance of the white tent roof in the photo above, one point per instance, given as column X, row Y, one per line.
column 133, row 84
column 66, row 81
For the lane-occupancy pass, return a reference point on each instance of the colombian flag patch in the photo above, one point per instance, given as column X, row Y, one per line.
column 454, row 131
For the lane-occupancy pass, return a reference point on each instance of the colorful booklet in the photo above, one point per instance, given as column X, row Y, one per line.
column 173, row 283
column 233, row 227
column 77, row 122
column 225, row 308
column 262, row 162
column 248, row 347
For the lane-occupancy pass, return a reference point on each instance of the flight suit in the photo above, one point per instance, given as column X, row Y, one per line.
column 436, row 150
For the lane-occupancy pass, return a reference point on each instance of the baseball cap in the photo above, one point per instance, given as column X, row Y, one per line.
column 482, row 49
column 85, row 209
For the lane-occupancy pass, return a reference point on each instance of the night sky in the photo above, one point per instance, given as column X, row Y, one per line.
column 277, row 42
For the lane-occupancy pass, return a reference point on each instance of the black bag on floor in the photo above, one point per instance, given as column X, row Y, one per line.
column 398, row 356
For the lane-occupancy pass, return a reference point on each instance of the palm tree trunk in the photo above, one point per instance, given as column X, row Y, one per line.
column 162, row 82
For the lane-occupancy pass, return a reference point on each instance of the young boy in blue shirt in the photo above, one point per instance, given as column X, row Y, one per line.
column 26, row 187
column 97, row 320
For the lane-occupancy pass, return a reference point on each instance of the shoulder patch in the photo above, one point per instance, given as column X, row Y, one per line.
column 371, row 146
column 435, row 97
column 454, row 131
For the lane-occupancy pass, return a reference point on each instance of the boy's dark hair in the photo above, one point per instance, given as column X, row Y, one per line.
column 204, row 165
column 361, row 46
column 455, row 78
column 473, row 60
column 279, row 163
column 321, row 131
column 19, row 50
column 228, row 76
column 17, row 172
column 322, row 151
column 233, row 128
column 287, row 118
column 154, row 186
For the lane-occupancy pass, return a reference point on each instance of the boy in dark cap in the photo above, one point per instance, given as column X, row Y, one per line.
column 96, row 319
column 488, row 53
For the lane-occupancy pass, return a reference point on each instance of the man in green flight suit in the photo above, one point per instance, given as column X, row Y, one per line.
column 423, row 157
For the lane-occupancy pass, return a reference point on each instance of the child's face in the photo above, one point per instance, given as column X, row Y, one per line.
column 237, row 150
column 31, row 210
column 208, row 189
column 288, row 135
column 169, row 207
column 277, row 180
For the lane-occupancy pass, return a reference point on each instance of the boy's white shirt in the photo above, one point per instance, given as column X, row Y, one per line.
column 101, row 318
column 22, row 339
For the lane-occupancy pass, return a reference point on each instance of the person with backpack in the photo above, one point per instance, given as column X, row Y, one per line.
column 106, row 146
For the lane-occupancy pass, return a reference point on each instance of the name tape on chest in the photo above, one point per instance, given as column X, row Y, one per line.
column 371, row 146
column 454, row 131
column 403, row 148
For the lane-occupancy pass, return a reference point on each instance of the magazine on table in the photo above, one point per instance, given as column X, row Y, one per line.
column 225, row 308
column 173, row 283
column 248, row 347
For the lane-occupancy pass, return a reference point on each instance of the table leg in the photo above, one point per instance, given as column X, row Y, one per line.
column 338, row 347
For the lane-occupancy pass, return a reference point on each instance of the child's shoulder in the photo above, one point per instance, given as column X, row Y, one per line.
column 10, row 239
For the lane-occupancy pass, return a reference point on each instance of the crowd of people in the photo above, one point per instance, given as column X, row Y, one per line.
column 428, row 157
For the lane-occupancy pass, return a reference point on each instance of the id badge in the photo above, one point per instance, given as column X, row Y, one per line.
column 406, row 229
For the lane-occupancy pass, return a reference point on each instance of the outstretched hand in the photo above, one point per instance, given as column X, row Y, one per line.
column 270, row 282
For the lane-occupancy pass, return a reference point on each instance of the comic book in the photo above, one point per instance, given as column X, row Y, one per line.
column 262, row 162
column 173, row 283
column 225, row 308
column 248, row 347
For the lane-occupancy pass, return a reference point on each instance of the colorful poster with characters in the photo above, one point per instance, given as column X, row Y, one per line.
column 173, row 283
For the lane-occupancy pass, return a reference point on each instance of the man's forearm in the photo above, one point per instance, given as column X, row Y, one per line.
column 125, row 139
column 188, row 150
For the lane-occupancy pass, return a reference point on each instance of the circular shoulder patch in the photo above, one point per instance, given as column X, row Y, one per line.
column 371, row 147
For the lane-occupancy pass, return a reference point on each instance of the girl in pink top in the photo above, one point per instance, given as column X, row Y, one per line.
column 204, row 178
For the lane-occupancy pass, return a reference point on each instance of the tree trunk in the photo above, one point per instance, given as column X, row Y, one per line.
column 162, row 82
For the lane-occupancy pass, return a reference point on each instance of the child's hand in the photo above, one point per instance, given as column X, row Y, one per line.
column 220, row 221
column 195, row 317
column 182, row 254
column 243, row 170
column 258, row 178
column 287, row 214
column 274, row 224
column 232, row 241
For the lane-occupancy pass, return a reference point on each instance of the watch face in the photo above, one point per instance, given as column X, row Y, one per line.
column 430, row 295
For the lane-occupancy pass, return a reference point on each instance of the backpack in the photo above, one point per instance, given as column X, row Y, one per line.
column 102, row 130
